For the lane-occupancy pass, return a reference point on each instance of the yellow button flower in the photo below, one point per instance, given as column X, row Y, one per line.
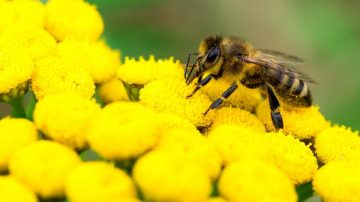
column 338, row 181
column 65, row 117
column 43, row 167
column 16, row 69
column 55, row 75
column 191, row 145
column 169, row 96
column 112, row 91
column 73, row 19
column 98, row 181
column 96, row 57
column 7, row 14
column 236, row 116
column 254, row 180
column 171, row 121
column 337, row 143
column 302, row 123
column 216, row 199
column 14, row 191
column 14, row 134
column 162, row 177
column 124, row 130
column 143, row 71
column 29, row 12
column 32, row 40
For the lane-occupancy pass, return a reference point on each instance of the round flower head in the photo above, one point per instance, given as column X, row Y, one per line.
column 14, row 191
column 112, row 91
column 7, row 14
column 29, row 12
column 338, row 181
column 302, row 123
column 96, row 57
column 143, row 71
column 123, row 130
column 43, row 167
column 169, row 95
column 337, row 143
column 34, row 41
column 242, row 97
column 236, row 116
column 65, row 117
column 161, row 177
column 254, row 180
column 16, row 70
column 73, row 19
column 98, row 181
column 14, row 134
column 55, row 75
column 191, row 145
column 170, row 121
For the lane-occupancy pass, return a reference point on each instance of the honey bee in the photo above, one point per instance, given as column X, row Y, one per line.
column 239, row 61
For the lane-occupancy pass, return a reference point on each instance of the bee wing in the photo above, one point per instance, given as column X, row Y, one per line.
column 282, row 62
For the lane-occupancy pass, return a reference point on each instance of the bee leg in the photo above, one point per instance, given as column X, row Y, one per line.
column 225, row 95
column 275, row 109
column 201, row 82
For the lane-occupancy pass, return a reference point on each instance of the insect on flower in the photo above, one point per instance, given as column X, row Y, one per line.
column 238, row 61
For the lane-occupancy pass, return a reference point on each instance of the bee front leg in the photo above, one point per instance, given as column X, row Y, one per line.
column 225, row 95
column 201, row 83
column 275, row 108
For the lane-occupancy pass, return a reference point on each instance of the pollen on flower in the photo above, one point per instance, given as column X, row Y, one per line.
column 32, row 40
column 73, row 115
column 68, row 19
column 236, row 116
column 192, row 146
column 337, row 143
column 126, row 125
column 338, row 181
column 16, row 69
column 54, row 75
column 112, row 91
column 302, row 123
column 169, row 96
column 180, row 181
column 255, row 180
column 14, row 134
column 98, row 181
column 14, row 191
column 96, row 57
column 143, row 71
column 243, row 97
column 36, row 166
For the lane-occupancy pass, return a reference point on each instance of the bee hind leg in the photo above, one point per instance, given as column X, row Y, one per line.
column 275, row 109
column 225, row 95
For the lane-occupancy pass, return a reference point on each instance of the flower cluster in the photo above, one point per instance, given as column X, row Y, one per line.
column 97, row 129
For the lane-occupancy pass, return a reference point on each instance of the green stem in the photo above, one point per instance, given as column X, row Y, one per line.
column 18, row 110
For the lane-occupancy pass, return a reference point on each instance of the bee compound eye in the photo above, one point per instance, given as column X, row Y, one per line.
column 213, row 54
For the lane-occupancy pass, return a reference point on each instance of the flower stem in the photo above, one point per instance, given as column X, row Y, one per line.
column 18, row 110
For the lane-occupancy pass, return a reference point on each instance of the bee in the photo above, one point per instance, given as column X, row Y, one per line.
column 239, row 61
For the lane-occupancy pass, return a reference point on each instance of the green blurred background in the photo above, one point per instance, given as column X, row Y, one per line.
column 325, row 33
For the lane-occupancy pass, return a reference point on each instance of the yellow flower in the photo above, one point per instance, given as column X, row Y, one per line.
column 96, row 57
column 12, row 190
column 123, row 130
column 161, row 177
column 243, row 97
column 73, row 20
column 112, row 91
column 144, row 71
column 16, row 70
column 169, row 96
column 338, row 181
column 65, row 117
column 55, row 75
column 337, row 143
column 29, row 12
column 302, row 123
column 192, row 146
column 98, row 181
column 216, row 199
column 7, row 14
column 254, row 180
column 236, row 116
column 14, row 134
column 32, row 40
column 43, row 167
column 170, row 121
